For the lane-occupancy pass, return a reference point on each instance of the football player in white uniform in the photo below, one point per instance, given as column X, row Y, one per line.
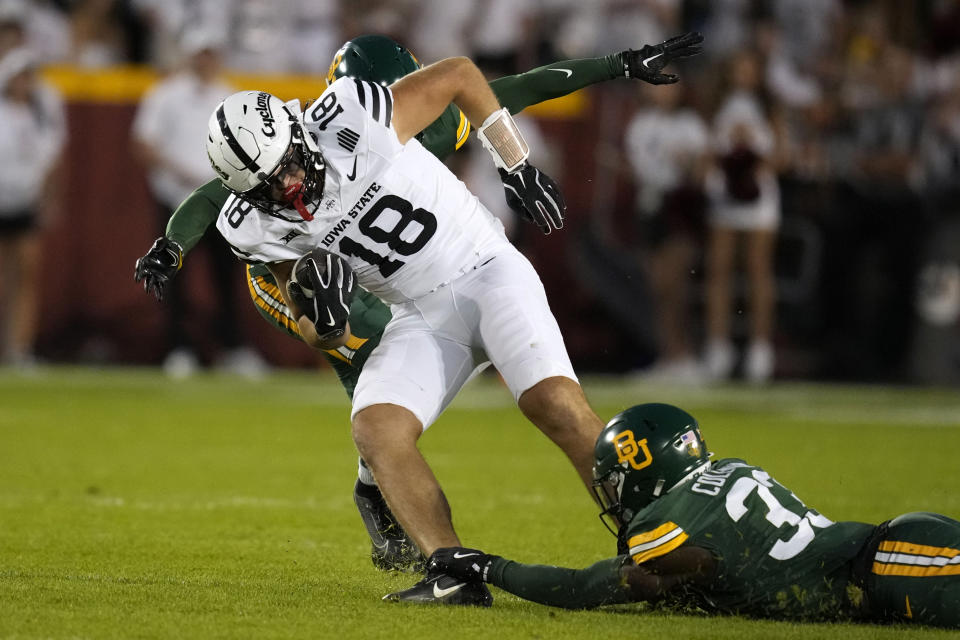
column 346, row 186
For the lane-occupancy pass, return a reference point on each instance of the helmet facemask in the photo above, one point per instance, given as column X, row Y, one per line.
column 271, row 196
column 607, row 490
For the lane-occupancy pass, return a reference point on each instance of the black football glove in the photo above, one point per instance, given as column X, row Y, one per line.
column 471, row 565
column 647, row 63
column 158, row 267
column 322, row 285
column 534, row 196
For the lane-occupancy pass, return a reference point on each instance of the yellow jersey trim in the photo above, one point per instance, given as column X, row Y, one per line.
column 658, row 542
column 266, row 296
column 347, row 351
column 463, row 130
column 899, row 558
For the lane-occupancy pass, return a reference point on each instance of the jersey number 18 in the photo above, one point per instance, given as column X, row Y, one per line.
column 426, row 221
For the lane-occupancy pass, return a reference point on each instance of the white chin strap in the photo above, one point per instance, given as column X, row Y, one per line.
column 500, row 136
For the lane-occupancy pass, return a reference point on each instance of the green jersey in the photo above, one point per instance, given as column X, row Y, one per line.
column 776, row 556
column 368, row 315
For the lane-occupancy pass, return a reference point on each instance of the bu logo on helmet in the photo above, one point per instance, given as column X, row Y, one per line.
column 331, row 72
column 628, row 448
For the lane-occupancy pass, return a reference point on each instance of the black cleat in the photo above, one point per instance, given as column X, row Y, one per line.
column 444, row 589
column 391, row 548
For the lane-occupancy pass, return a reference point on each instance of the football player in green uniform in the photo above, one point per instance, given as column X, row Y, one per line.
column 725, row 537
column 379, row 59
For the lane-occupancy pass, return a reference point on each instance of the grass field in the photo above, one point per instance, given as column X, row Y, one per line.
column 136, row 507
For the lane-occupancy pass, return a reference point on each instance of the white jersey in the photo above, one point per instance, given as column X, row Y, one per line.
column 402, row 221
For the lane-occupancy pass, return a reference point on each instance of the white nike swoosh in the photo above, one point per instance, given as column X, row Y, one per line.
column 330, row 315
column 569, row 72
column 646, row 62
column 439, row 593
column 459, row 555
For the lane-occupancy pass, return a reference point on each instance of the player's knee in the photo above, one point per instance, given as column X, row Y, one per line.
column 384, row 427
column 558, row 404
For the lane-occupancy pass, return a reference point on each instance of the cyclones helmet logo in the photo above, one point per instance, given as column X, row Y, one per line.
column 628, row 448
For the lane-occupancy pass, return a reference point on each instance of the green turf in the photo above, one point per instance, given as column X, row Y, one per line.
column 135, row 507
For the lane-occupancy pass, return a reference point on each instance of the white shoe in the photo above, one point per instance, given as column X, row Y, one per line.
column 758, row 367
column 719, row 359
column 181, row 363
column 245, row 362
column 683, row 371
column 22, row 363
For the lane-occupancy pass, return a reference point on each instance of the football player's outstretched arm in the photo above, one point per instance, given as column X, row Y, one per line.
column 558, row 79
column 191, row 219
column 281, row 272
column 186, row 226
column 616, row 580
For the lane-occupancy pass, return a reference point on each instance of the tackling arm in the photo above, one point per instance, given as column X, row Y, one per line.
column 194, row 216
column 561, row 78
column 184, row 229
column 613, row 581
column 518, row 92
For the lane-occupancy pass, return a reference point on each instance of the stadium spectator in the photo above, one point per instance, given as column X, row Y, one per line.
column 667, row 144
column 168, row 20
column 939, row 147
column 878, row 223
column 744, row 212
column 724, row 537
column 293, row 36
column 502, row 35
column 13, row 34
column 440, row 29
column 32, row 137
column 98, row 36
column 587, row 28
column 810, row 30
column 37, row 25
column 168, row 122
column 726, row 25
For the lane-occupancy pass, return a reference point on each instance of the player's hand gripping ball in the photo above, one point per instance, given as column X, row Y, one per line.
column 322, row 285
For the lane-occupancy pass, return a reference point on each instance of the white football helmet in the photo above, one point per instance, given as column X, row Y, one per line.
column 252, row 138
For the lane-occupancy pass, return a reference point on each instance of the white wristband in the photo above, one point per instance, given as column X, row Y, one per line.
column 500, row 136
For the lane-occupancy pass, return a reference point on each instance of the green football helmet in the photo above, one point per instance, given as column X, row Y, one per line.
column 373, row 58
column 379, row 59
column 641, row 455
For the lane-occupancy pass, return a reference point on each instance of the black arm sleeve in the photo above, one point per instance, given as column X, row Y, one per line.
column 599, row 584
column 554, row 80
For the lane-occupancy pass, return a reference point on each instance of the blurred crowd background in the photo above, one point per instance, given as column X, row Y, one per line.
column 788, row 210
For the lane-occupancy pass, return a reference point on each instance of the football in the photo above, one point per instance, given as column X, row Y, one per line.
column 300, row 273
